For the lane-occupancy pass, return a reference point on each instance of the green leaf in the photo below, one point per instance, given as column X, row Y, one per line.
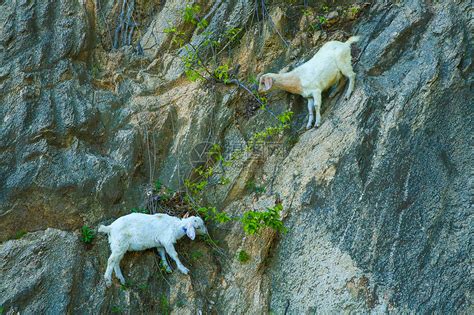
column 158, row 185
column 243, row 257
column 87, row 234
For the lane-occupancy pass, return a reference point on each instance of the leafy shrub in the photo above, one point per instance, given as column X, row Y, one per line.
column 195, row 188
column 138, row 210
column 164, row 305
column 158, row 185
column 261, row 136
column 116, row 309
column 354, row 10
column 253, row 221
column 196, row 255
column 232, row 33
column 88, row 234
column 19, row 235
column 243, row 257
column 211, row 213
column 221, row 73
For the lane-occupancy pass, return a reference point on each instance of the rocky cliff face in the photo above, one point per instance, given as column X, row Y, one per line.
column 378, row 201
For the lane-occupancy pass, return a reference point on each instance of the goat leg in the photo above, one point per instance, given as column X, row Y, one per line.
column 310, row 113
column 317, row 107
column 174, row 255
column 164, row 262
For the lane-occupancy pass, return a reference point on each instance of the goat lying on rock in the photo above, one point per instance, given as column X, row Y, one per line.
column 315, row 76
column 138, row 231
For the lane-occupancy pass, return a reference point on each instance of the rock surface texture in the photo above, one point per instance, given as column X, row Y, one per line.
column 378, row 201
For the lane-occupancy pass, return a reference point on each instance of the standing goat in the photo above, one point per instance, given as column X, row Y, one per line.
column 315, row 76
column 138, row 231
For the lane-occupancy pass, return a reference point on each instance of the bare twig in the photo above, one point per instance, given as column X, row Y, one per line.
column 240, row 84
column 119, row 27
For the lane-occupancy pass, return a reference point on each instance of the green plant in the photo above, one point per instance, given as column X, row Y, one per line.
column 243, row 257
column 1, row 310
column 252, row 79
column 354, row 10
column 117, row 309
column 190, row 12
column 325, row 8
column 95, row 71
column 251, row 186
column 215, row 154
column 208, row 240
column 292, row 140
column 221, row 73
column 195, row 67
column 224, row 181
column 204, row 172
column 202, row 24
column 253, row 221
column 322, row 20
column 20, row 234
column 164, row 268
column 285, row 117
column 196, row 255
column 88, row 234
column 143, row 286
column 167, row 194
column 208, row 41
column 158, row 185
column 164, row 305
column 232, row 33
column 261, row 136
column 126, row 286
column 138, row 210
column 178, row 36
column 306, row 12
column 261, row 99
column 195, row 188
column 211, row 213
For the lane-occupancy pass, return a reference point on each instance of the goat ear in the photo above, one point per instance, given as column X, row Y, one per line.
column 190, row 231
column 186, row 215
column 268, row 83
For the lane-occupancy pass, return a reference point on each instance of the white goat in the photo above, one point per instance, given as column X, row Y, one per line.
column 138, row 231
column 315, row 76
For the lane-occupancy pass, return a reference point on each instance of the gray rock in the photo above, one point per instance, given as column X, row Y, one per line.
column 37, row 272
column 399, row 203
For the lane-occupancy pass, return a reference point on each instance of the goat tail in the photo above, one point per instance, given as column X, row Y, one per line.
column 352, row 39
column 104, row 229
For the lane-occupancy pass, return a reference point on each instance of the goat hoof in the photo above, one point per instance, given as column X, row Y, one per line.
column 108, row 283
column 184, row 270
